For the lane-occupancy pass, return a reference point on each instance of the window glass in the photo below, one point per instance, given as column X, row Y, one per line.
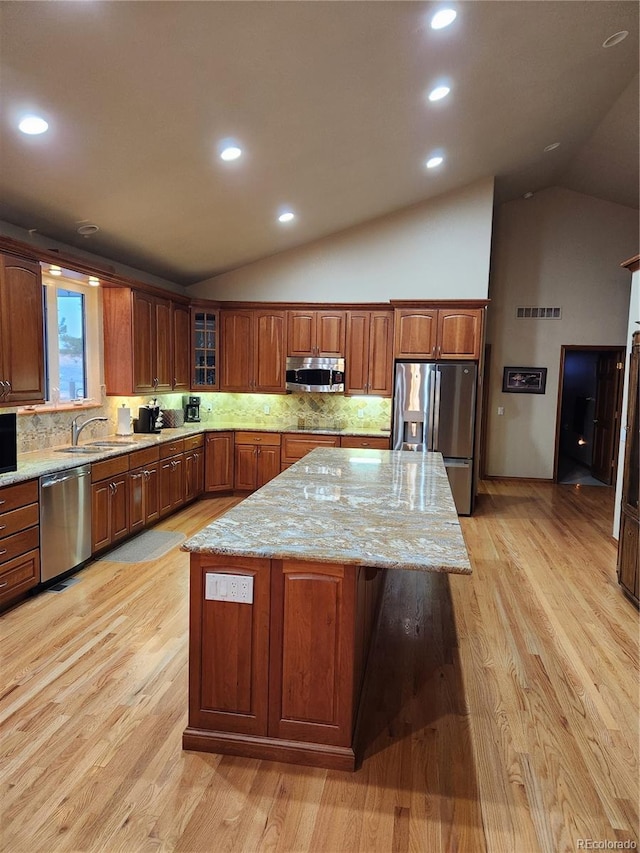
column 72, row 359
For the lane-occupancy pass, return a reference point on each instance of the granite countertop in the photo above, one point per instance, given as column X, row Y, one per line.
column 48, row 461
column 379, row 508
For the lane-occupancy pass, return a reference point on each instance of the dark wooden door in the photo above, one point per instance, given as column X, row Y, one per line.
column 246, row 467
column 151, row 494
column 268, row 464
column 163, row 345
column 100, row 515
column 269, row 351
column 218, row 476
column 380, row 379
column 357, row 358
column 143, row 354
column 237, row 358
column 136, row 501
column 605, row 432
column 119, row 507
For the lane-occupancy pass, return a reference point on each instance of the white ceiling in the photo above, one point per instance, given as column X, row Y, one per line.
column 329, row 102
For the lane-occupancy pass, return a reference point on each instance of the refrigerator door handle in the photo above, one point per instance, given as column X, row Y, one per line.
column 436, row 411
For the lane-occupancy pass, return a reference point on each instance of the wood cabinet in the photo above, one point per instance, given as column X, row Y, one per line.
column 315, row 333
column 218, row 461
column 365, row 442
column 438, row 333
column 280, row 678
column 22, row 373
column 181, row 347
column 171, row 476
column 109, row 502
column 144, row 508
column 204, row 349
column 628, row 552
column 296, row 445
column 19, row 541
column 257, row 459
column 193, row 467
column 253, row 350
column 369, row 359
column 139, row 337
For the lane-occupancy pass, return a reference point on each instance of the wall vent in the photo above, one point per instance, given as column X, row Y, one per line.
column 530, row 312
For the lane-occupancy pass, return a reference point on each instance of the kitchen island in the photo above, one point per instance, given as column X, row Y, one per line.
column 284, row 593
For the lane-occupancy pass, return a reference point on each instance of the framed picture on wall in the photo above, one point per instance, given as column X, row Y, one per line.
column 524, row 380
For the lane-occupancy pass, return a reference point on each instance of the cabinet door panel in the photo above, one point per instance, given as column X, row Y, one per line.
column 312, row 652
column 268, row 464
column 270, row 351
column 330, row 332
column 181, row 342
column 229, row 650
column 237, row 350
column 163, row 345
column 246, row 467
column 628, row 554
column 219, row 462
column 151, row 494
column 189, row 477
column 100, row 515
column 301, row 332
column 415, row 333
column 357, row 358
column 21, row 331
column 459, row 333
column 136, row 501
column 143, row 343
column 120, row 508
column 165, row 492
column 381, row 354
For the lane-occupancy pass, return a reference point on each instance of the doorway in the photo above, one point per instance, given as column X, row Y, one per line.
column 588, row 417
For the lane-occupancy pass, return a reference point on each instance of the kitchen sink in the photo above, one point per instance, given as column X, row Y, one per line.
column 110, row 443
column 82, row 449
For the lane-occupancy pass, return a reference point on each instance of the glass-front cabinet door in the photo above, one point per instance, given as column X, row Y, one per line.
column 204, row 336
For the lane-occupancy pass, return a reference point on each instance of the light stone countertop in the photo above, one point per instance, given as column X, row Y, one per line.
column 379, row 508
column 40, row 462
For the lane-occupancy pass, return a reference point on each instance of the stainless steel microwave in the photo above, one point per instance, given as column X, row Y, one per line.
column 8, row 443
column 319, row 375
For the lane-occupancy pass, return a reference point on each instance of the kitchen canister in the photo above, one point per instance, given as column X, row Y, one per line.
column 173, row 417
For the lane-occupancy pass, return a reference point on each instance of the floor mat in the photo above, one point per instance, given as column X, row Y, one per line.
column 150, row 545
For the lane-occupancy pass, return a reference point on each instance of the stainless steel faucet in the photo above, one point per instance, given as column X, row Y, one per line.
column 76, row 430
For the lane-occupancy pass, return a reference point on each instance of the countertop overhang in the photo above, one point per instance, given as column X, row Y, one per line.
column 378, row 508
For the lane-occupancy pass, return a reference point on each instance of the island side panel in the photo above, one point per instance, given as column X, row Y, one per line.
column 229, row 649
column 313, row 630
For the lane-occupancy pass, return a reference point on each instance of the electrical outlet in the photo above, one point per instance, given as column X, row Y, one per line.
column 223, row 587
column 266, row 408
column 246, row 589
column 501, row 410
column 361, row 413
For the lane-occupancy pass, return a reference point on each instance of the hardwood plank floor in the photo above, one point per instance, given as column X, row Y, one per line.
column 502, row 707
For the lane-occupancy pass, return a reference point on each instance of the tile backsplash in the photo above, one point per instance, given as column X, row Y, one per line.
column 42, row 427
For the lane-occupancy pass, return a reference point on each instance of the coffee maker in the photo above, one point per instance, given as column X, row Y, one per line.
column 191, row 409
column 148, row 419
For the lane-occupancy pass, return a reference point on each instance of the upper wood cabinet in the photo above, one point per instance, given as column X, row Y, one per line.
column 253, row 350
column 139, row 338
column 204, row 349
column 438, row 333
column 21, row 332
column 181, row 330
column 315, row 333
column 369, row 358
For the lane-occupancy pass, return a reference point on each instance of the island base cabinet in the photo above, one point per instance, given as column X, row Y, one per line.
column 280, row 678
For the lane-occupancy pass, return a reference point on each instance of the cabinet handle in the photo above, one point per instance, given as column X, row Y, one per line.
column 4, row 551
column 365, row 444
column 3, row 390
column 115, row 488
column 257, row 438
column 2, row 526
column 2, row 585
column 4, row 502
column 8, row 384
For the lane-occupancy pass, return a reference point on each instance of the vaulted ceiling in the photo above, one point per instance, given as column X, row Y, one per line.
column 328, row 101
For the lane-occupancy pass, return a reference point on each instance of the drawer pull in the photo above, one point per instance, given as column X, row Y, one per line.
column 2, row 585
column 2, row 502
column 4, row 551
column 2, row 526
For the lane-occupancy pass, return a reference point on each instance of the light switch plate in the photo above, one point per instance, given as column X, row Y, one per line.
column 223, row 587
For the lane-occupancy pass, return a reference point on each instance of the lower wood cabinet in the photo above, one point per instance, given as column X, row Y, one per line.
column 365, row 442
column 19, row 540
column 109, row 511
column 296, row 445
column 281, row 677
column 193, row 467
column 257, row 459
column 628, row 550
column 171, row 479
column 218, row 461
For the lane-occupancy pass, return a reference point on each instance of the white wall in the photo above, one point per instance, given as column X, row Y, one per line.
column 634, row 319
column 439, row 249
column 559, row 248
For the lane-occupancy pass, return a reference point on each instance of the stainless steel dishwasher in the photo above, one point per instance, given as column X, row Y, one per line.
column 65, row 521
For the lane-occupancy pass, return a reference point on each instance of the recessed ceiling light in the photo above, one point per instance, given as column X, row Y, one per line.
column 443, row 18
column 552, row 147
column 616, row 38
column 432, row 162
column 33, row 125
column 231, row 152
column 439, row 93
column 286, row 216
column 54, row 269
column 93, row 281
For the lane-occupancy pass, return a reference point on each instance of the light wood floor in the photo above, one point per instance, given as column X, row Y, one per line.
column 502, row 712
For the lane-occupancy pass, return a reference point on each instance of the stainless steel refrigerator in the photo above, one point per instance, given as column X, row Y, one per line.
column 434, row 406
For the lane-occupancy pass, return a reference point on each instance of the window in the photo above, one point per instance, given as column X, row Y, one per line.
column 71, row 309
